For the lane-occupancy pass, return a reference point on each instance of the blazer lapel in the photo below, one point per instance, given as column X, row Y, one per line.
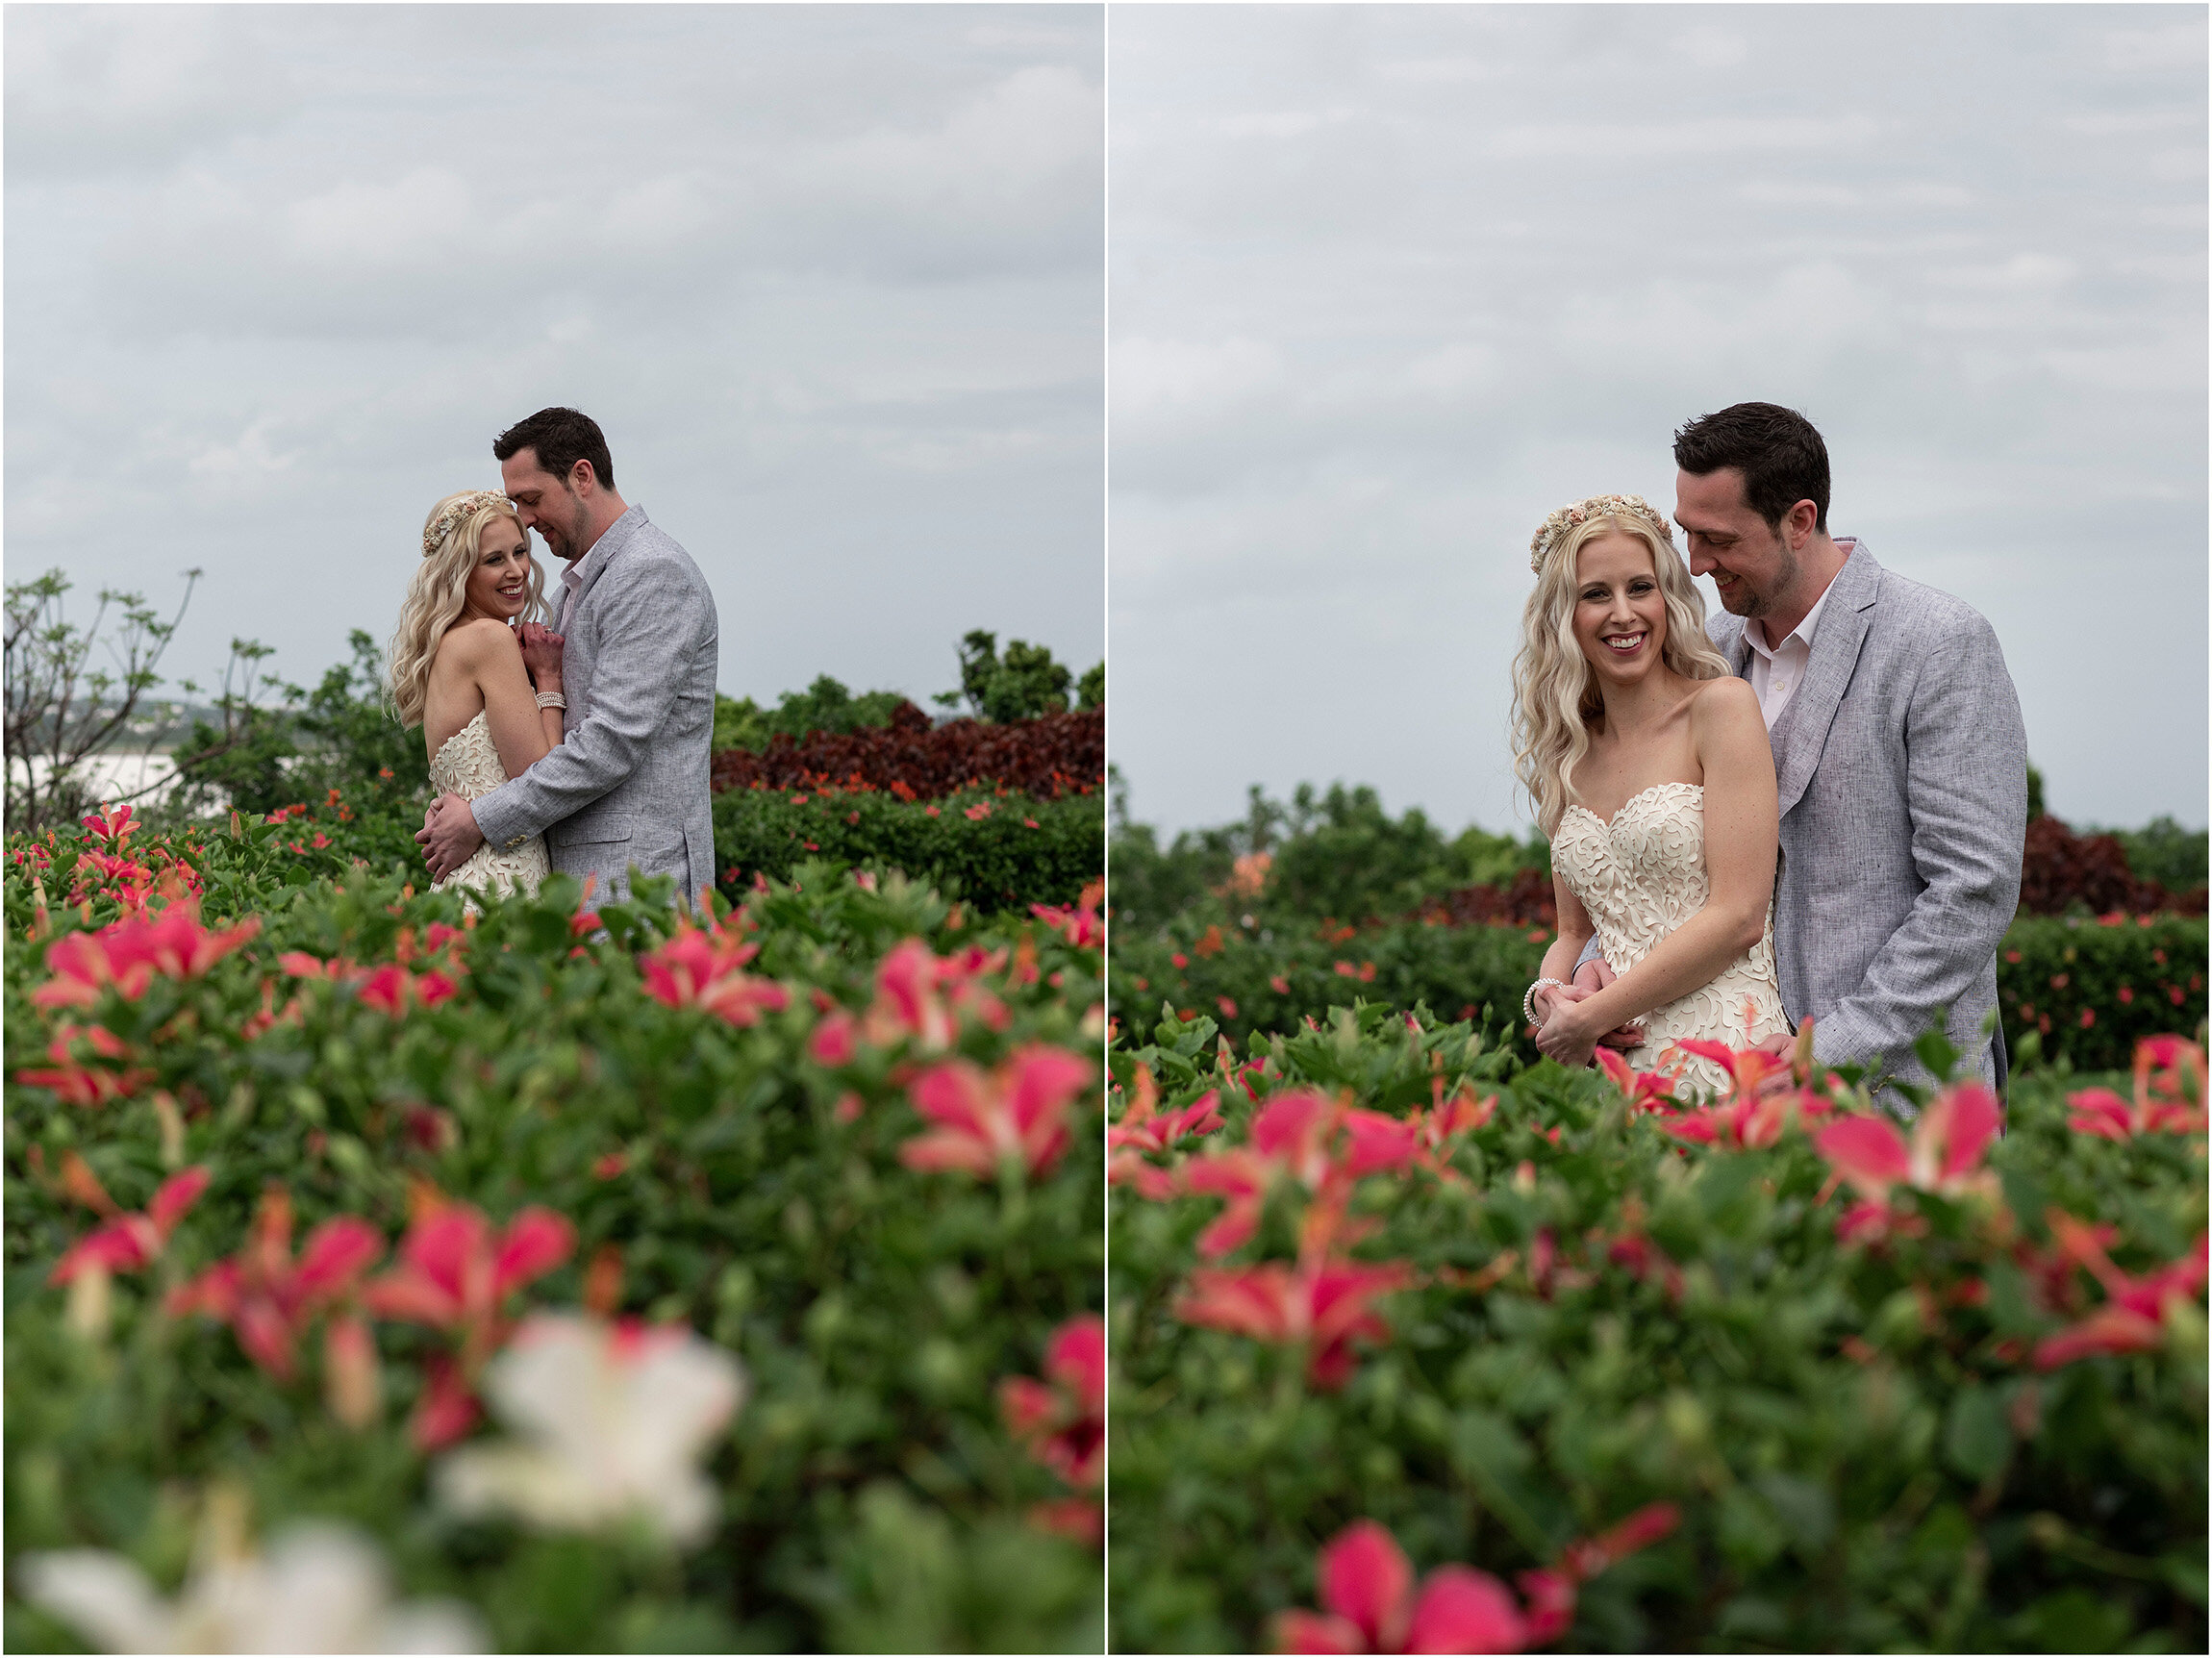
column 602, row 554
column 1802, row 730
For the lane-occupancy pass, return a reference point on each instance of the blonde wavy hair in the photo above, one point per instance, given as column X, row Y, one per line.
column 1555, row 693
column 452, row 537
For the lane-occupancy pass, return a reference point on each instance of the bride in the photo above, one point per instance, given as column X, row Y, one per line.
column 1650, row 771
column 461, row 669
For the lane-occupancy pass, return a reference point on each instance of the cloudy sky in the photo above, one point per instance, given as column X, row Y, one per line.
column 829, row 277
column 1388, row 283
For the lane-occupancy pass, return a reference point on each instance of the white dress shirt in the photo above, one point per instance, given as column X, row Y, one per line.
column 1778, row 671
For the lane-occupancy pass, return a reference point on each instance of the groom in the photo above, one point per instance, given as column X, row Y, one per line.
column 629, row 782
column 1899, row 749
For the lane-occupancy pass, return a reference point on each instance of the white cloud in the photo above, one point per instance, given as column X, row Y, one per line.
column 86, row 95
column 1284, row 124
column 1150, row 375
column 1439, row 71
column 1714, row 48
column 2028, row 272
column 1712, row 136
column 2171, row 46
column 426, row 216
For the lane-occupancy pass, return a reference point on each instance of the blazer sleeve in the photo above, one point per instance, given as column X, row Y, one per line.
column 1966, row 793
column 651, row 620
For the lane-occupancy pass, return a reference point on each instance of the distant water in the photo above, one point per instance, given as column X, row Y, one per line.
column 114, row 776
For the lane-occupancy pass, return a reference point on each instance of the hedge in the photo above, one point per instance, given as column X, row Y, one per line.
column 1000, row 850
column 2084, row 991
column 1051, row 755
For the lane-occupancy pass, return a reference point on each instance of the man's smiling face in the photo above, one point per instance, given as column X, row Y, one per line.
column 547, row 504
column 1750, row 564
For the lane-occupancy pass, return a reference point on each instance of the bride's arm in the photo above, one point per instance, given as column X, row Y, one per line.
column 1575, row 930
column 1742, row 832
column 521, row 731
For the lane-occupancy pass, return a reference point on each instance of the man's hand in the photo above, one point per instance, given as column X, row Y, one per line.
column 1592, row 976
column 1784, row 1047
column 449, row 836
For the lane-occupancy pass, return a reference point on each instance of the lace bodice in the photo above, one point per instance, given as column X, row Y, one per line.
column 1640, row 877
column 467, row 765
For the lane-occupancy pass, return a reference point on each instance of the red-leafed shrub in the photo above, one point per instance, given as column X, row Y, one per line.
column 1054, row 755
column 2059, row 868
column 1525, row 901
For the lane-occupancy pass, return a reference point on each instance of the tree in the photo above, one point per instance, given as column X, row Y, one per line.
column 1021, row 684
column 62, row 709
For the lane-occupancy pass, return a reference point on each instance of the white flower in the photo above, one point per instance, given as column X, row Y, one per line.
column 320, row 1588
column 612, row 1418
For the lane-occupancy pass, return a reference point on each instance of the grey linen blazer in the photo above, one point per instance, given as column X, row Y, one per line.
column 629, row 782
column 1902, row 765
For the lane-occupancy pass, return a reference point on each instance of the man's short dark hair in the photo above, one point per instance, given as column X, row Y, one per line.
column 1781, row 455
column 562, row 437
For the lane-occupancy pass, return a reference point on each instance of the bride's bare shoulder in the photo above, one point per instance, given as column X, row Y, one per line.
column 478, row 641
column 1726, row 699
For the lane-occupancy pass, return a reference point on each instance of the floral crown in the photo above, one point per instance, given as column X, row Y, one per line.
column 459, row 511
column 1562, row 523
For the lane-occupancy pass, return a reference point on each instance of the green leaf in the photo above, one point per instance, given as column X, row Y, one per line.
column 1977, row 1438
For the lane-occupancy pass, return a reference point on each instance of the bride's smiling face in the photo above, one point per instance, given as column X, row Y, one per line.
column 499, row 586
column 1619, row 614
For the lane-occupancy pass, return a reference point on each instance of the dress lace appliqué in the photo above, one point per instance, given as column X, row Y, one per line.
column 1640, row 877
column 467, row 765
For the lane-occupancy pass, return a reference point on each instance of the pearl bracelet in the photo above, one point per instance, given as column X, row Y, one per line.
column 551, row 699
column 1528, row 1000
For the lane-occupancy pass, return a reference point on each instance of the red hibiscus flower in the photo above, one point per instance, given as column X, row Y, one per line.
column 2169, row 1094
column 1367, row 1585
column 1017, row 1115
column 701, row 968
column 1143, row 1128
column 1645, row 1089
column 1322, row 1306
column 1944, row 1155
column 455, row 1272
column 267, row 1297
column 79, row 1084
column 130, row 1241
column 1061, row 1420
column 129, row 954
column 2134, row 1315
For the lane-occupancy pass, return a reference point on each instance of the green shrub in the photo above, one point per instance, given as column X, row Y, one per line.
column 739, row 723
column 1001, row 851
column 2087, row 993
column 2176, row 858
column 2084, row 992
column 1339, row 856
column 1863, row 1442
column 1261, row 980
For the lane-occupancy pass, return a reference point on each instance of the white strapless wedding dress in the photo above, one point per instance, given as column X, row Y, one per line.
column 467, row 765
column 1640, row 877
